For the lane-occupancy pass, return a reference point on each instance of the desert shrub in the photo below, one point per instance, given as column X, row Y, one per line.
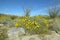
column 55, row 26
column 36, row 24
column 3, row 33
column 54, row 18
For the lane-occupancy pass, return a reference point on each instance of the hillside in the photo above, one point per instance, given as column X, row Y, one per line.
column 6, row 16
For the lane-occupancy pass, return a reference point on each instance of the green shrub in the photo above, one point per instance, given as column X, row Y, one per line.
column 36, row 24
column 3, row 34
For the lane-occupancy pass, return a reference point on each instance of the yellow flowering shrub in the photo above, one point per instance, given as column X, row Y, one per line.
column 36, row 24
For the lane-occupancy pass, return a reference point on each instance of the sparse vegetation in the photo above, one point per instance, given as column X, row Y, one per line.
column 32, row 24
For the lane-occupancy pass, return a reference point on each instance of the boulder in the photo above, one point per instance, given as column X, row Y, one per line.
column 14, row 33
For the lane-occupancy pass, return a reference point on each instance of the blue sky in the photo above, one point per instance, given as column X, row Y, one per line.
column 16, row 7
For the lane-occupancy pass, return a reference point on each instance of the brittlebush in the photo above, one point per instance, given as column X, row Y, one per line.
column 36, row 24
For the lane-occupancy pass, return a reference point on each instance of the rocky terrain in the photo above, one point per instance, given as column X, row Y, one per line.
column 19, row 34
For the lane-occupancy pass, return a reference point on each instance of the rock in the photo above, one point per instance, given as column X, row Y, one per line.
column 14, row 33
column 31, row 37
column 53, row 36
column 1, row 25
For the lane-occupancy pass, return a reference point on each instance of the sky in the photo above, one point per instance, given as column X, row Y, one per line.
column 17, row 7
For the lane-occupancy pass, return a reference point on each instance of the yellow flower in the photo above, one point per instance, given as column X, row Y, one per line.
column 23, row 20
column 37, row 26
column 16, row 24
column 28, row 20
column 47, row 25
column 32, row 22
column 27, row 27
